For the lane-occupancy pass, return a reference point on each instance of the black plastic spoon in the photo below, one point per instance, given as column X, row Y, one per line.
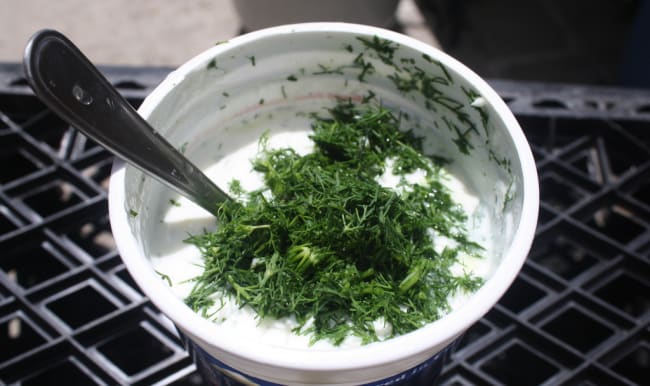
column 65, row 80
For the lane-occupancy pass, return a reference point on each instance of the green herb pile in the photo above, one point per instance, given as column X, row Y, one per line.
column 325, row 243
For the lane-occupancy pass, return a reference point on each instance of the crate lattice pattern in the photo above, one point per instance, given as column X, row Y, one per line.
column 577, row 314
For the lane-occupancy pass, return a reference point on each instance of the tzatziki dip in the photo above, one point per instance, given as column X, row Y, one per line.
column 401, row 245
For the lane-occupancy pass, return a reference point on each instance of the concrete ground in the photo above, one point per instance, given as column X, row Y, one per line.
column 580, row 41
column 141, row 32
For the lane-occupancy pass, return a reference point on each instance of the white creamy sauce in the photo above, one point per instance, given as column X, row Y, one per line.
column 183, row 262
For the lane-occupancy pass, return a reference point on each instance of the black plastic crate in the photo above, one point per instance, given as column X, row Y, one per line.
column 577, row 314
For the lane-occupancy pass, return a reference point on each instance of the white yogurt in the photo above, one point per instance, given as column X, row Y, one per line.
column 181, row 262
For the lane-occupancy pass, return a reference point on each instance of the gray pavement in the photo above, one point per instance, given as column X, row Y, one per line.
column 141, row 32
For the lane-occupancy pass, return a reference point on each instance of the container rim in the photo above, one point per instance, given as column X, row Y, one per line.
column 369, row 356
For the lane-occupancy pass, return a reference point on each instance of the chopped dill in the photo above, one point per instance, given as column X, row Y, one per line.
column 366, row 67
column 385, row 49
column 326, row 243
column 325, row 70
column 165, row 278
column 235, row 188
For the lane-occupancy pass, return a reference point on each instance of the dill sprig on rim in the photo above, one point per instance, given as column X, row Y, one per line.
column 324, row 242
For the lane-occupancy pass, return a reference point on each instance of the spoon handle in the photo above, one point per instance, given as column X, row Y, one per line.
column 65, row 80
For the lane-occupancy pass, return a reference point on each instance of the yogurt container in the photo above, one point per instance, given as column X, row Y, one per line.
column 222, row 100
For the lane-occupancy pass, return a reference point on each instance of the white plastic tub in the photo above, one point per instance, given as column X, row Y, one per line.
column 264, row 72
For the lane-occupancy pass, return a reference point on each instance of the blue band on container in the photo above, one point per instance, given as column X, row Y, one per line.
column 218, row 373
